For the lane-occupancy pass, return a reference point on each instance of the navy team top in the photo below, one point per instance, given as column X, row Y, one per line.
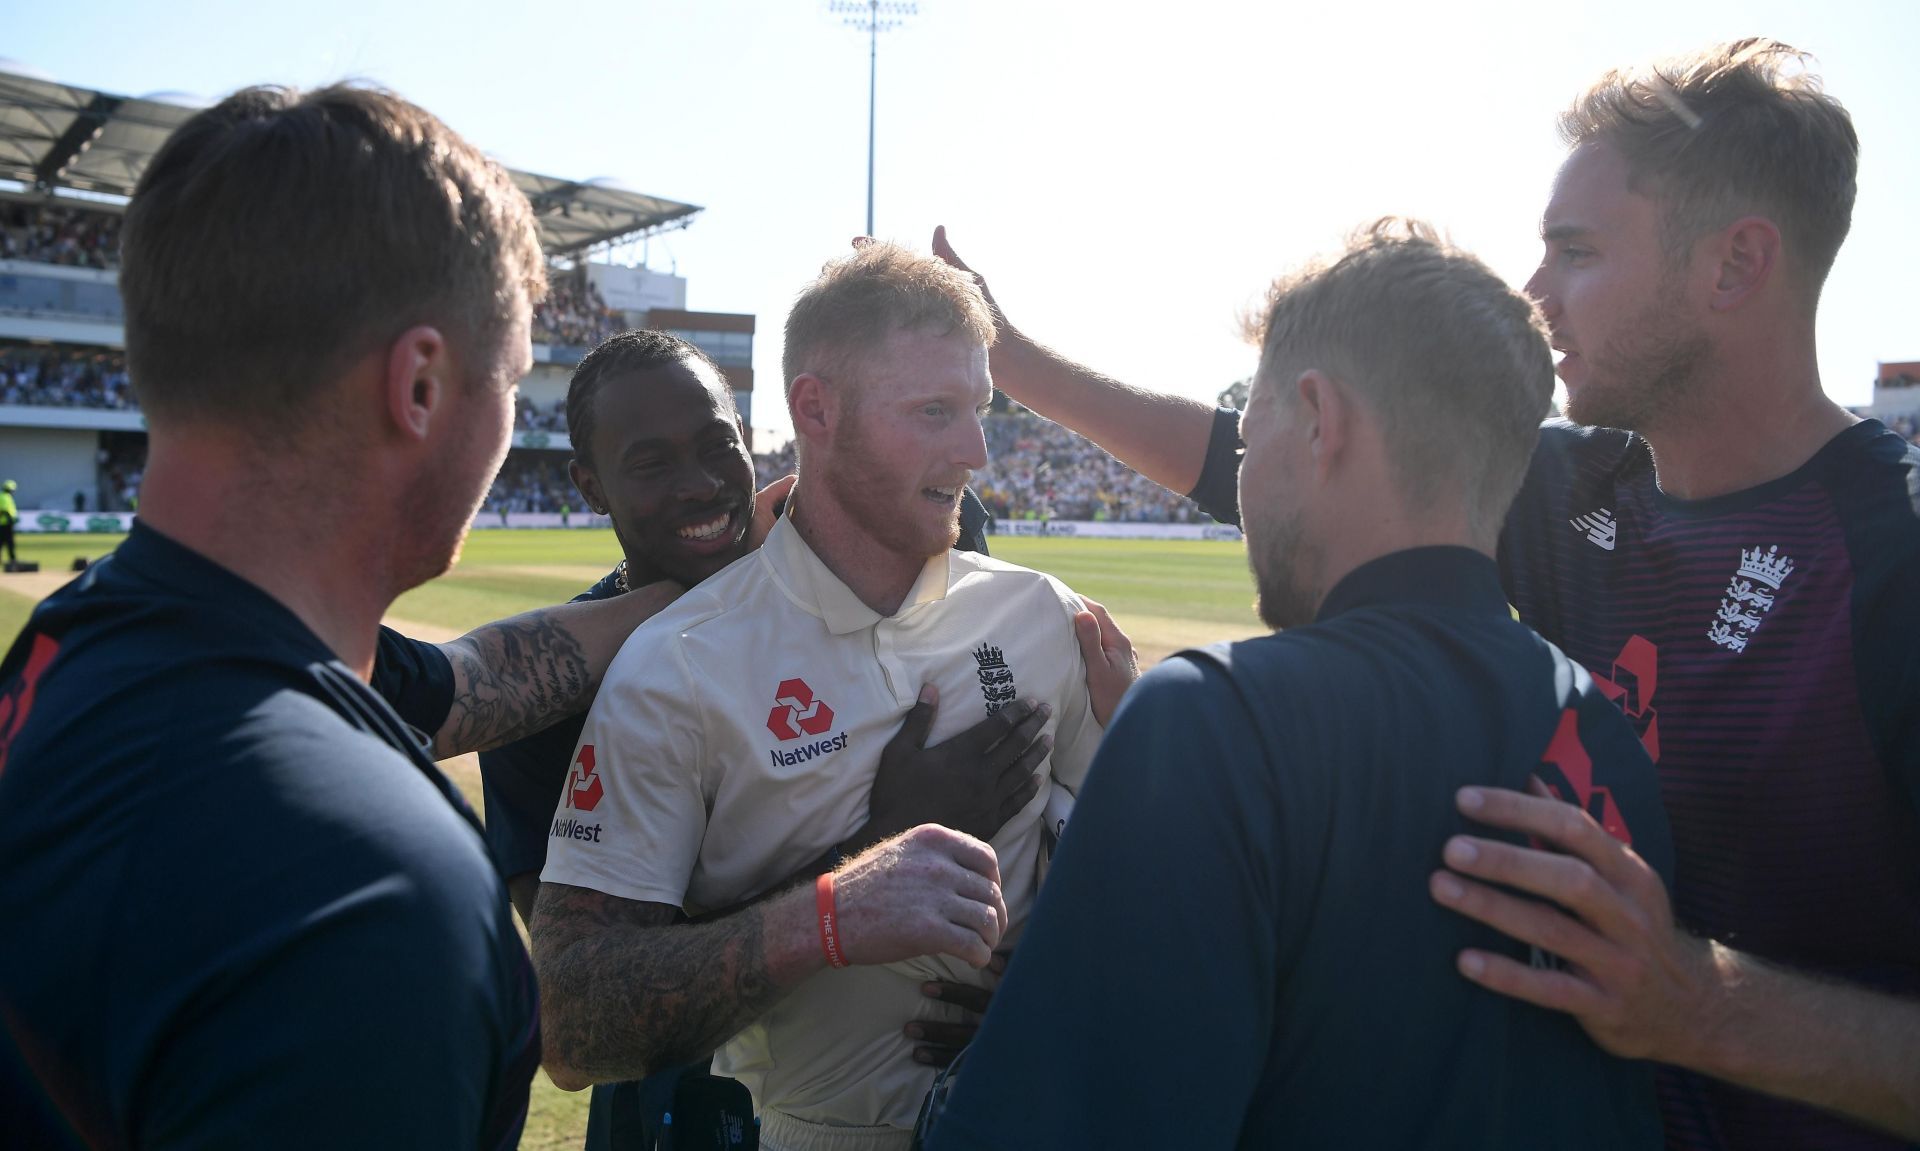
column 242, row 907
column 1235, row 945
column 1766, row 645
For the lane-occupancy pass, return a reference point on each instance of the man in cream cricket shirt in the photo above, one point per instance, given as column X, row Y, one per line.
column 736, row 737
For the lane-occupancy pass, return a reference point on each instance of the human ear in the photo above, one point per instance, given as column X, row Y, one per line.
column 419, row 371
column 588, row 485
column 1749, row 256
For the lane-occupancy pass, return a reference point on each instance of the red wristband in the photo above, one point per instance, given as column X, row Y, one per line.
column 823, row 903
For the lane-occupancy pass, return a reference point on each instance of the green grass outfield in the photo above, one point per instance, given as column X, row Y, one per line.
column 1165, row 594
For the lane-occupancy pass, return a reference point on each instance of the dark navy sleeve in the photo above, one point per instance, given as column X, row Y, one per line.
column 414, row 677
column 522, row 783
column 1218, row 492
column 1167, row 868
column 1879, row 499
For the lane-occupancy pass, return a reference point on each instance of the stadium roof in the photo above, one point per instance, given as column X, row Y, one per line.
column 57, row 136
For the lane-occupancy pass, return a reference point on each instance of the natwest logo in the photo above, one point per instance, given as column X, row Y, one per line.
column 796, row 713
column 583, row 782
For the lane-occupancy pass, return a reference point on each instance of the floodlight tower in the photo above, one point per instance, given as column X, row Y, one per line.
column 876, row 16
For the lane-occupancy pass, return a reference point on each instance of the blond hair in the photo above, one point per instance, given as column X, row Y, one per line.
column 1740, row 128
column 1452, row 361
column 860, row 300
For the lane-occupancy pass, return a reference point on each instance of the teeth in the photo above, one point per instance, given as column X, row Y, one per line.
column 710, row 530
column 945, row 493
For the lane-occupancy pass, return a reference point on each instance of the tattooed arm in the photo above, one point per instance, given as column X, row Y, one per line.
column 625, row 990
column 516, row 676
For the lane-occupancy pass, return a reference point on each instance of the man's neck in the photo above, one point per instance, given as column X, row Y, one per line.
column 211, row 495
column 1379, row 524
column 877, row 576
column 1745, row 424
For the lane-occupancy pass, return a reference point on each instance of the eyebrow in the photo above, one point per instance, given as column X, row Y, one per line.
column 659, row 443
column 1563, row 232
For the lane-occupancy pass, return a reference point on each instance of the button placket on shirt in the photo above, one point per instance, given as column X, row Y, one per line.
column 891, row 668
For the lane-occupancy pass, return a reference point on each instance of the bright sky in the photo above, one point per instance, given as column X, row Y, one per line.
column 1129, row 178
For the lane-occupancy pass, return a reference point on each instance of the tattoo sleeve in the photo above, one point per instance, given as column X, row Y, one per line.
column 517, row 676
column 627, row 990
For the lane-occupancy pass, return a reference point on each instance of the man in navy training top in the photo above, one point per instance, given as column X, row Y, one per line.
column 1739, row 566
column 1265, row 815
column 192, row 716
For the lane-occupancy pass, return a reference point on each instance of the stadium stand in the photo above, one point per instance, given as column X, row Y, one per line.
column 65, row 237
column 70, row 429
column 64, row 376
column 1037, row 469
column 574, row 312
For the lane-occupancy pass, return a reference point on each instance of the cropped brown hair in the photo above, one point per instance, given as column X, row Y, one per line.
column 1452, row 361
column 279, row 236
column 861, row 299
column 1738, row 128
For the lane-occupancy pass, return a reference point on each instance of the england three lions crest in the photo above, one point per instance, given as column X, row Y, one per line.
column 996, row 678
column 1749, row 597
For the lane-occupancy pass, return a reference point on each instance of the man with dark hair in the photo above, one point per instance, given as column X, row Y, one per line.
column 1265, row 813
column 1739, row 565
column 308, row 279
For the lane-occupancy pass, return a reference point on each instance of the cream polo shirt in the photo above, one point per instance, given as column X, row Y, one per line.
column 735, row 740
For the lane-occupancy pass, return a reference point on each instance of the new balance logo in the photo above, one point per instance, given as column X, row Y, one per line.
column 796, row 712
column 1599, row 528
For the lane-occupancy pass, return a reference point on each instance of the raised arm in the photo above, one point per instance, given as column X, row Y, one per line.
column 1163, row 437
column 625, row 990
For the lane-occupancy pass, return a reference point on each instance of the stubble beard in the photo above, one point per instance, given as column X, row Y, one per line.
column 1644, row 374
column 863, row 492
column 1279, row 557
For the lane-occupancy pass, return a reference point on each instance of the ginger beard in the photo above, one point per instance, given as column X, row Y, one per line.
column 882, row 484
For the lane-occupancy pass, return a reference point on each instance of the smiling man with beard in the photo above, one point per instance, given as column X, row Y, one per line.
column 737, row 738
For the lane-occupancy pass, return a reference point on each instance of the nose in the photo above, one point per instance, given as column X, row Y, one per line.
column 1537, row 288
column 973, row 451
column 696, row 481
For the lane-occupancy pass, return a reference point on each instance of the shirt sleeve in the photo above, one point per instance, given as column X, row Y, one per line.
column 415, row 677
column 633, row 808
column 1101, row 1035
column 1218, row 491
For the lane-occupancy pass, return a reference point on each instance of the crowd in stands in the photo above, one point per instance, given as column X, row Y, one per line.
column 573, row 312
column 1037, row 469
column 533, row 482
column 45, row 234
column 121, row 468
column 64, row 378
column 531, row 417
